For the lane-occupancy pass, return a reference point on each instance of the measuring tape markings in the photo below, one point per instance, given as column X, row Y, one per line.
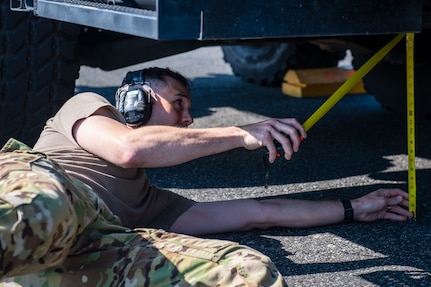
column 411, row 122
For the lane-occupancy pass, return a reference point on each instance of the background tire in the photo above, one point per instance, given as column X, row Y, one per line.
column 266, row 64
column 387, row 80
column 38, row 69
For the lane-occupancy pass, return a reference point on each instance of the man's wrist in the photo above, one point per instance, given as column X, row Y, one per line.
column 348, row 210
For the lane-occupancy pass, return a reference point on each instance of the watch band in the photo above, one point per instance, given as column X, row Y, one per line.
column 348, row 210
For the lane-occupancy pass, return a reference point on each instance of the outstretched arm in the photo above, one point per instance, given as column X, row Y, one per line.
column 246, row 214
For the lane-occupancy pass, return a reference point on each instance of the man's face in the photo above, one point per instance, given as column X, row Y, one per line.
column 171, row 105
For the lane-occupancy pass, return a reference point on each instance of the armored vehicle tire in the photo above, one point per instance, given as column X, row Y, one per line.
column 38, row 72
column 266, row 64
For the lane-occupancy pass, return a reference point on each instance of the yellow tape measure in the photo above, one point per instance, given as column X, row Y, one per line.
column 411, row 122
column 352, row 81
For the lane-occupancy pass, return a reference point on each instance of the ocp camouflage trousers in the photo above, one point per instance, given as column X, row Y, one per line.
column 54, row 231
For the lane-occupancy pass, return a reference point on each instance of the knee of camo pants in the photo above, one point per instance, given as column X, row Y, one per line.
column 182, row 260
column 37, row 220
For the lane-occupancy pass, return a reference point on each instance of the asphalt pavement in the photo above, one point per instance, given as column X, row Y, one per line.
column 354, row 149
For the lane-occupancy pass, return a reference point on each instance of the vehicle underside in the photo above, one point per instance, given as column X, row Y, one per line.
column 44, row 48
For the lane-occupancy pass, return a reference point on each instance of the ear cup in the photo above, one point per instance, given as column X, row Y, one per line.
column 133, row 99
column 134, row 103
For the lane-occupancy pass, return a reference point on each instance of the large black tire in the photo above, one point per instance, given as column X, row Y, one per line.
column 38, row 69
column 387, row 80
column 266, row 64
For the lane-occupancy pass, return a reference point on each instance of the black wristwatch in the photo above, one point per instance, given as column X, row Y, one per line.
column 348, row 210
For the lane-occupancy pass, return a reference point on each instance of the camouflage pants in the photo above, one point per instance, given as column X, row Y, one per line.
column 56, row 232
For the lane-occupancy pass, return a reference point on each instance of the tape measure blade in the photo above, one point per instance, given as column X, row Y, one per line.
column 411, row 123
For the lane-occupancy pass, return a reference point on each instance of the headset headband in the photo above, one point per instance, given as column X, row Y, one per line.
column 134, row 77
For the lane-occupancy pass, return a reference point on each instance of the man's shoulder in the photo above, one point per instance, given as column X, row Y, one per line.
column 84, row 104
column 89, row 97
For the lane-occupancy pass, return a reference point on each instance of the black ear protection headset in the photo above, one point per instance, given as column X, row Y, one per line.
column 133, row 99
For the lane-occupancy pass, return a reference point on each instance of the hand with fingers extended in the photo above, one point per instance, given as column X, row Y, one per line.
column 287, row 132
column 382, row 204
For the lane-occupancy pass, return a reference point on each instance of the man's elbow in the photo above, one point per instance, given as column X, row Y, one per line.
column 125, row 155
column 126, row 160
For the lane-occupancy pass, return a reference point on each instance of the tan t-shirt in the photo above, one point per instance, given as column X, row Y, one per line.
column 126, row 191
